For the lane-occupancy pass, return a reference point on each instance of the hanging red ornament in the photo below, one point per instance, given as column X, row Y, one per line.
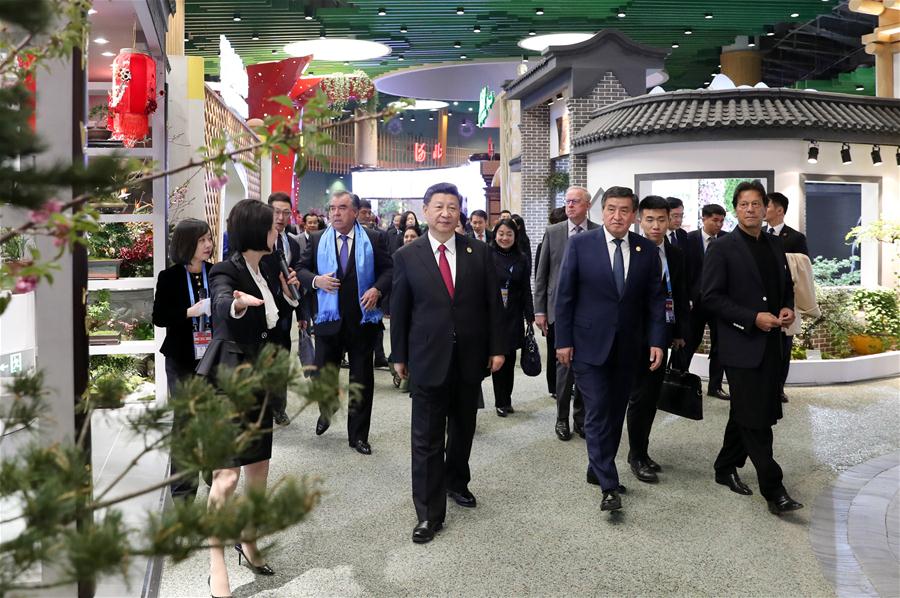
column 133, row 96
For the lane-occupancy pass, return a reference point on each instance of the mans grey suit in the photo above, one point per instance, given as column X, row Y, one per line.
column 553, row 247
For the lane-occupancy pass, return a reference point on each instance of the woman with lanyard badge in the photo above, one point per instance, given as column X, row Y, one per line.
column 181, row 306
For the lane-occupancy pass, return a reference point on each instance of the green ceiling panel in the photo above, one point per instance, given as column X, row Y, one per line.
column 433, row 26
column 863, row 77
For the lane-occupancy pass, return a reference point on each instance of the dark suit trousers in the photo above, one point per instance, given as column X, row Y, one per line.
column 175, row 373
column 567, row 392
column 699, row 319
column 741, row 442
column 605, row 389
column 357, row 342
column 551, row 359
column 642, row 409
column 441, row 412
column 503, row 381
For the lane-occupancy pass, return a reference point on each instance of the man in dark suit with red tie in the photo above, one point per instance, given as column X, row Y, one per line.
column 446, row 337
column 609, row 299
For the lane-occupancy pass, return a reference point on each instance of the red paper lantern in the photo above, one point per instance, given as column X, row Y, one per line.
column 133, row 97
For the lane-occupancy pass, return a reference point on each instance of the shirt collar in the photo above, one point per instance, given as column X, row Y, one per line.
column 609, row 238
column 778, row 228
column 450, row 244
column 349, row 235
column 705, row 236
column 582, row 224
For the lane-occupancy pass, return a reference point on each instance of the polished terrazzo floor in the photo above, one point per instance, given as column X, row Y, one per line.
column 538, row 529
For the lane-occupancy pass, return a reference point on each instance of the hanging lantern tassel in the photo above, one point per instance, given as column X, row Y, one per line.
column 133, row 97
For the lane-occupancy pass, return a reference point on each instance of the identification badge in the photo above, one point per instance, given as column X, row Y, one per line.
column 670, row 310
column 504, row 294
column 202, row 339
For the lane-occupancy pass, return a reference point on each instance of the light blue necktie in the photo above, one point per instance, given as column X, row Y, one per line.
column 619, row 268
column 345, row 254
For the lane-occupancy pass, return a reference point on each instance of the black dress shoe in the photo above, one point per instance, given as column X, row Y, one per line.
column 783, row 504
column 611, row 501
column 463, row 498
column 281, row 418
column 562, row 431
column 784, row 398
column 553, row 395
column 502, row 411
column 425, row 531
column 642, row 471
column 653, row 465
column 719, row 394
column 510, row 409
column 733, row 481
column 578, row 429
column 321, row 426
column 362, row 447
column 381, row 363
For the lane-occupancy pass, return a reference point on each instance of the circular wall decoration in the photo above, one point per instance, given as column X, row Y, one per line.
column 466, row 128
column 395, row 127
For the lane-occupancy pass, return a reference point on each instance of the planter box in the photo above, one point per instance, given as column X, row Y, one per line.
column 104, row 338
column 822, row 372
column 103, row 269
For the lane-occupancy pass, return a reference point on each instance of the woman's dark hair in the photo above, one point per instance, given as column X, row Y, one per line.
column 403, row 218
column 249, row 224
column 520, row 226
column 184, row 240
column 511, row 225
column 415, row 229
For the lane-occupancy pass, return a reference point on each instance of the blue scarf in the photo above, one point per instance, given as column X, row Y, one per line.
column 327, row 261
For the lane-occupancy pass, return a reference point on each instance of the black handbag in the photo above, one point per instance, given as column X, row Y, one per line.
column 681, row 393
column 531, row 354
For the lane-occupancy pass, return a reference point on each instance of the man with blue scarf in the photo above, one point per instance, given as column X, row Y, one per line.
column 349, row 268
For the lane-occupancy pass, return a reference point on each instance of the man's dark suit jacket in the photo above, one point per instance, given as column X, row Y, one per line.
column 272, row 263
column 793, row 241
column 170, row 304
column 589, row 312
column 678, row 274
column 693, row 257
column 426, row 322
column 733, row 290
column 681, row 237
column 348, row 294
column 488, row 235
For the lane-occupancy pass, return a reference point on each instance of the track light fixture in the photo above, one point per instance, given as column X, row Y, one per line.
column 812, row 154
column 876, row 155
column 382, row 11
column 307, row 15
column 237, row 17
column 846, row 158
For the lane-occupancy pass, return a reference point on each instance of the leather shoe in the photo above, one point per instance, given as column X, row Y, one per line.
column 592, row 480
column 362, row 447
column 733, row 481
column 562, row 431
column 611, row 501
column 784, row 398
column 719, row 394
column 783, row 504
column 425, row 531
column 381, row 363
column 578, row 429
column 503, row 411
column 321, row 426
column 281, row 418
column 463, row 498
column 642, row 471
column 653, row 465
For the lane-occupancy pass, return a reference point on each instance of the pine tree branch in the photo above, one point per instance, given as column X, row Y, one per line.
column 15, row 52
column 131, row 465
column 96, row 506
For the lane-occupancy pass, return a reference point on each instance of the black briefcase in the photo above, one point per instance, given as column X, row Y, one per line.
column 531, row 354
column 681, row 393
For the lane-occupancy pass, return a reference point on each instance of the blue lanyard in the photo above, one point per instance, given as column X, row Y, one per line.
column 198, row 322
column 665, row 265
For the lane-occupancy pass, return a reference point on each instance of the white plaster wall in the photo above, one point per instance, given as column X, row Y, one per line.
column 185, row 134
column 787, row 158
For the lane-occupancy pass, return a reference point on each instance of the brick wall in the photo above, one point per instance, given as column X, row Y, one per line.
column 607, row 91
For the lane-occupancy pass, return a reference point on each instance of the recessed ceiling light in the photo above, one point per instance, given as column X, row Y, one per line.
column 476, row 28
column 688, row 31
column 403, row 29
column 430, row 118
column 187, row 37
column 794, row 15
column 620, row 13
column 101, row 40
column 462, row 56
column 382, row 12
column 274, row 51
column 470, row 109
column 449, row 113
column 524, row 59
column 322, row 34
column 237, row 17
column 770, row 31
column 539, row 11
column 457, row 45
column 751, row 44
column 708, row 15
column 532, row 32
column 308, row 15
column 541, row 42
column 860, row 88
column 346, row 63
column 401, row 58
column 412, row 119
column 455, row 103
column 674, row 44
column 255, row 36
column 336, row 49
column 108, row 54
column 460, row 10
column 92, row 11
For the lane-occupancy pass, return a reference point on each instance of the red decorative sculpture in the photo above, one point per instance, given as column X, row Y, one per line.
column 133, row 97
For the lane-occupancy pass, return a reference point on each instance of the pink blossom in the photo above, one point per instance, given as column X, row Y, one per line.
column 219, row 182
column 39, row 216
column 26, row 284
column 53, row 206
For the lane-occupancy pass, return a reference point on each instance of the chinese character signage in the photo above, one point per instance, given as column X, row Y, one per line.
column 485, row 103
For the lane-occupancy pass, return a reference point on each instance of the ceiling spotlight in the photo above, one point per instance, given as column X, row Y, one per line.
column 876, row 155
column 620, row 13
column 539, row 11
column 688, row 31
column 846, row 158
column 674, row 44
column 382, row 12
column 812, row 154
column 457, row 45
column 187, row 37
column 476, row 28
column 449, row 113
column 401, row 58
column 322, row 33
column 101, row 40
column 455, row 103
column 751, row 44
column 708, row 15
column 462, row 56
column 460, row 10
column 430, row 118
column 108, row 54
column 274, row 51
column 532, row 32
column 794, row 15
column 412, row 119
column 403, row 29
column 346, row 63
column 770, row 31
column 308, row 15
column 706, row 83
column 255, row 36
column 550, row 102
column 860, row 87
column 237, row 17
column 524, row 59
column 470, row 109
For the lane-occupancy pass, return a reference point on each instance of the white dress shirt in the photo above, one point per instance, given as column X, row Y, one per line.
column 482, row 237
column 663, row 259
column 287, row 246
column 271, row 307
column 340, row 242
column 450, row 253
column 706, row 239
column 673, row 237
column 574, row 225
column 777, row 228
column 611, row 247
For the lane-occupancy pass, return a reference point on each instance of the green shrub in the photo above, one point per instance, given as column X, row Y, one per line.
column 882, row 314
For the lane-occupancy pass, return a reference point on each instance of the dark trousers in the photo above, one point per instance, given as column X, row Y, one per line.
column 357, row 342
column 700, row 318
column 605, row 389
column 551, row 359
column 503, row 381
column 642, row 409
column 185, row 488
column 741, row 442
column 379, row 344
column 787, row 344
column 567, row 392
column 443, row 426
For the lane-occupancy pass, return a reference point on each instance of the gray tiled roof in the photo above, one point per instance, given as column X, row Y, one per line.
column 742, row 114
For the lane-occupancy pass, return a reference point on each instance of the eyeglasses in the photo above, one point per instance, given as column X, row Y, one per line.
column 282, row 212
column 573, row 202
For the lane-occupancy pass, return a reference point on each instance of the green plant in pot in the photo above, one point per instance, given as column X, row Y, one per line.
column 96, row 128
column 879, row 314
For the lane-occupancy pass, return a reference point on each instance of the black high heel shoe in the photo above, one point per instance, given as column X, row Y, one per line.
column 262, row 570
column 209, row 583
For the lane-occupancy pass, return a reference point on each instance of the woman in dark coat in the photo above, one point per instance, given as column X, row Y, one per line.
column 246, row 296
column 514, row 275
column 522, row 240
column 181, row 305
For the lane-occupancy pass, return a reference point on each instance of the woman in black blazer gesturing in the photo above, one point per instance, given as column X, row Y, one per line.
column 514, row 276
column 246, row 295
column 181, row 306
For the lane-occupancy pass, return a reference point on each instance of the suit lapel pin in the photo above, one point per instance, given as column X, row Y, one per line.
column 468, row 250
column 638, row 248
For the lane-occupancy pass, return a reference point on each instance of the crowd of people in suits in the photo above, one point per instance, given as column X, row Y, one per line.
column 616, row 307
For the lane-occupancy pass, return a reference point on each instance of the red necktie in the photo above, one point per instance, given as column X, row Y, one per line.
column 444, row 267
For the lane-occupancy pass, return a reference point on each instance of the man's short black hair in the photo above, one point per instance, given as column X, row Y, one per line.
column 625, row 192
column 446, row 188
column 479, row 213
column 278, row 196
column 674, row 203
column 354, row 198
column 654, row 202
column 249, row 224
column 712, row 209
column 780, row 199
column 505, row 212
column 557, row 215
column 184, row 240
column 364, row 203
column 753, row 185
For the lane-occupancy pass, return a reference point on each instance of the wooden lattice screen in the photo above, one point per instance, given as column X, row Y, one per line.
column 220, row 118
